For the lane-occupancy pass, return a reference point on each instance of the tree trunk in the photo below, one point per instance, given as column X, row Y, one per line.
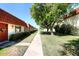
column 47, row 29
column 51, row 29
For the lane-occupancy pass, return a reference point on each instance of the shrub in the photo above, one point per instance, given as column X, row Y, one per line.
column 33, row 31
column 75, row 31
column 48, row 33
column 72, row 47
column 65, row 29
column 18, row 36
column 57, row 28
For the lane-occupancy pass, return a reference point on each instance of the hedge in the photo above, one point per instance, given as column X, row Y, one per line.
column 66, row 29
column 20, row 36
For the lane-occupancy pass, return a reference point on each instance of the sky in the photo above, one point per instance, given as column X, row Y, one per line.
column 20, row 10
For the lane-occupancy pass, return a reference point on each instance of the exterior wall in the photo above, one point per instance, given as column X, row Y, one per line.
column 12, row 21
column 22, row 29
column 11, row 29
column 73, row 21
column 26, row 29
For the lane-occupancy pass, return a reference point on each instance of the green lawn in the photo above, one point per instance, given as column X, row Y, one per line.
column 3, row 52
column 13, row 51
column 52, row 44
column 17, row 50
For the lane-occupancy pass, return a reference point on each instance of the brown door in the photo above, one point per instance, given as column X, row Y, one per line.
column 3, row 32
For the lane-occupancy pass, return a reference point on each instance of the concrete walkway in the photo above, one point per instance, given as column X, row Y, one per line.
column 35, row 48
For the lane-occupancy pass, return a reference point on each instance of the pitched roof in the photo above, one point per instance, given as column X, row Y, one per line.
column 72, row 13
column 7, row 17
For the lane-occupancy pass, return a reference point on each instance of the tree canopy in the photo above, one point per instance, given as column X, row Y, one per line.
column 47, row 14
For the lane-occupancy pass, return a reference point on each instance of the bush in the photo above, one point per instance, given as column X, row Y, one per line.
column 57, row 28
column 46, row 33
column 72, row 47
column 33, row 31
column 75, row 31
column 18, row 36
column 65, row 29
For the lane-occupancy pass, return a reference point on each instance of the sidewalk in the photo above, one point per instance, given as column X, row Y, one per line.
column 35, row 48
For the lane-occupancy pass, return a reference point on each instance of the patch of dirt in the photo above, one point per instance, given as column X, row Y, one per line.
column 17, row 50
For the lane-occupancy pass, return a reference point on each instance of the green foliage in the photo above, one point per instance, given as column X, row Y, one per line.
column 75, row 31
column 37, row 12
column 47, row 14
column 64, row 29
column 72, row 47
column 20, row 36
column 53, row 45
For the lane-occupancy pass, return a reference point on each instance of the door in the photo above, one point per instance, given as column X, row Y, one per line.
column 3, row 32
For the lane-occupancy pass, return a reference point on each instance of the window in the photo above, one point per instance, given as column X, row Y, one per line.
column 17, row 28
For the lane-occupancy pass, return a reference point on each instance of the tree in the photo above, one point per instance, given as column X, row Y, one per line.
column 47, row 14
column 56, row 10
column 38, row 12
